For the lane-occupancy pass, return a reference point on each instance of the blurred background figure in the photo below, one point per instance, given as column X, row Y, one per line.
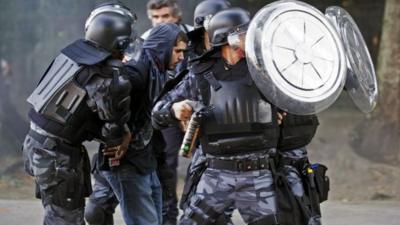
column 165, row 11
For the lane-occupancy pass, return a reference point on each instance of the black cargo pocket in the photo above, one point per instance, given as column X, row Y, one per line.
column 68, row 193
column 69, row 176
column 321, row 181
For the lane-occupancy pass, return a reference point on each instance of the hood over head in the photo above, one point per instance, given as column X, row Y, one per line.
column 160, row 43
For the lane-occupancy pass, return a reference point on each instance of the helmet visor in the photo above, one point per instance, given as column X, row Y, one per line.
column 237, row 38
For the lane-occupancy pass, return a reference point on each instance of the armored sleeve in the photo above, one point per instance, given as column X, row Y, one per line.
column 162, row 116
column 109, row 97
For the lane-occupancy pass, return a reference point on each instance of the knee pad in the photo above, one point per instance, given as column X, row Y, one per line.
column 94, row 214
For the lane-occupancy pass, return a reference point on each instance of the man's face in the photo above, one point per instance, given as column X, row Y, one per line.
column 177, row 54
column 162, row 15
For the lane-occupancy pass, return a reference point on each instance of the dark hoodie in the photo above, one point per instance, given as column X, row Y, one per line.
column 158, row 46
column 148, row 76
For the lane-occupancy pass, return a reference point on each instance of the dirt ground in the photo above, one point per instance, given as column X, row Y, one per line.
column 16, row 212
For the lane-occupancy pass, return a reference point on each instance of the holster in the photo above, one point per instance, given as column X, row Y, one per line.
column 321, row 181
column 295, row 210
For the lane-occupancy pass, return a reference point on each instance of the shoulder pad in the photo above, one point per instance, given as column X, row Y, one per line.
column 58, row 96
column 85, row 54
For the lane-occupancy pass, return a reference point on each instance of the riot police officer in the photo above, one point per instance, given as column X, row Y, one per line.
column 82, row 96
column 238, row 136
column 199, row 42
column 199, row 45
column 173, row 135
column 295, row 131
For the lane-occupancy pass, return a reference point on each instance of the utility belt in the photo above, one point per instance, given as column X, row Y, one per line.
column 239, row 165
column 72, row 134
column 75, row 152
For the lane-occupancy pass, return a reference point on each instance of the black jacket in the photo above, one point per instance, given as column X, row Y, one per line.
column 148, row 75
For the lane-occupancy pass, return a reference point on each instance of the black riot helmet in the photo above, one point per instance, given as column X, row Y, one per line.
column 225, row 23
column 203, row 12
column 110, row 26
column 207, row 9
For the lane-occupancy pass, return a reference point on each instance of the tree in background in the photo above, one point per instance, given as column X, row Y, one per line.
column 379, row 137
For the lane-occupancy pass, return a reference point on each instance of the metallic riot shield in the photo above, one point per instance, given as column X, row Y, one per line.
column 296, row 57
column 361, row 81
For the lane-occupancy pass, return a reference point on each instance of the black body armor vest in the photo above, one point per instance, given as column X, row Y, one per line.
column 63, row 111
column 241, row 120
column 83, row 124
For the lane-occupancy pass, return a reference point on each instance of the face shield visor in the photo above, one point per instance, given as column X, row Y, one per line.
column 237, row 38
